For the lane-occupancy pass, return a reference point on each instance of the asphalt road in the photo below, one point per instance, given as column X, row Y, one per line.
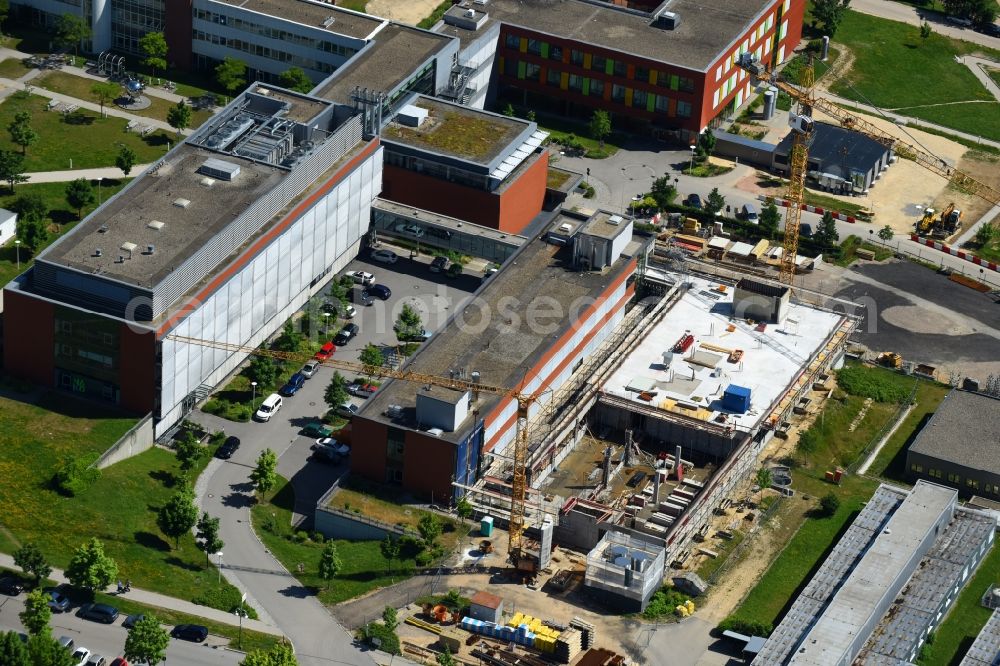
column 109, row 640
column 224, row 489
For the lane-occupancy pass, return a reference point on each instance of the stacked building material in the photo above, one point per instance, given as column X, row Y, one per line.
column 520, row 635
column 568, row 646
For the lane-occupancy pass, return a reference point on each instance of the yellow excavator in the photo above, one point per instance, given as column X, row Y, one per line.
column 926, row 222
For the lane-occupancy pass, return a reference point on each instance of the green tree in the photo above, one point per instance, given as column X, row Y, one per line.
column 262, row 370
column 769, row 219
column 663, row 191
column 12, row 168
column 372, row 359
column 13, row 651
column 154, row 46
column 508, row 110
column 925, row 30
column 46, row 651
column 189, row 451
column 430, row 529
column 829, row 504
column 390, row 618
column 29, row 557
column 71, row 30
column 464, row 509
column 530, row 116
column 147, row 642
column 600, row 126
column 705, row 146
column 336, row 391
column 179, row 514
column 390, row 548
column 826, row 235
column 296, row 79
column 126, row 159
column 79, row 195
column 90, row 568
column 886, row 233
column 179, row 116
column 408, row 323
column 231, row 74
column 264, row 475
column 4, row 11
column 981, row 12
column 31, row 212
column 36, row 614
column 763, row 479
column 279, row 655
column 985, row 234
column 714, row 202
column 21, row 131
column 207, row 538
column 445, row 658
column 329, row 563
column 289, row 340
column 829, row 14
column 104, row 92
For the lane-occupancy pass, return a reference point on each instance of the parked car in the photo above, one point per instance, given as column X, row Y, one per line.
column 11, row 586
column 97, row 660
column 385, row 256
column 805, row 230
column 749, row 213
column 359, row 296
column 131, row 620
column 325, row 352
column 693, row 201
column 326, row 455
column 381, row 291
column 346, row 334
column 309, row 369
column 317, row 429
column 119, row 661
column 361, row 390
column 58, row 602
column 80, row 656
column 292, row 386
column 99, row 613
column 268, row 408
column 347, row 410
column 362, row 277
column 332, row 444
column 414, row 230
column 225, row 452
column 195, row 633
column 414, row 336
column 440, row 264
column 67, row 643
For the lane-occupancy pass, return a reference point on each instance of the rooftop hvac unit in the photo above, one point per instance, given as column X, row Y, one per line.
column 155, row 225
column 481, row 3
column 150, row 249
column 470, row 13
column 668, row 20
column 98, row 252
column 616, row 220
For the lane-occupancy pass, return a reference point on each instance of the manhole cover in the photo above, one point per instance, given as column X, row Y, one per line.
column 312, row 404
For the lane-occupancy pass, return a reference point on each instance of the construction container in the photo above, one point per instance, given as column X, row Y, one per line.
column 486, row 526
column 736, row 399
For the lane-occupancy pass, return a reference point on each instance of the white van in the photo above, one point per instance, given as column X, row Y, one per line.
column 268, row 408
column 749, row 213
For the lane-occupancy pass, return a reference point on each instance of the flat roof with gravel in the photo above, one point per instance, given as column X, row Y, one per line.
column 706, row 29
column 964, row 430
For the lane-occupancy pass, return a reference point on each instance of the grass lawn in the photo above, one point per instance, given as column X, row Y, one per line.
column 364, row 568
column 556, row 179
column 851, row 245
column 815, row 198
column 890, row 463
column 356, row 5
column 83, row 138
column 955, row 635
column 990, row 251
column 61, row 219
column 13, row 68
column 994, row 74
column 435, row 15
column 119, row 509
column 706, row 170
column 560, row 129
column 918, row 66
column 79, row 87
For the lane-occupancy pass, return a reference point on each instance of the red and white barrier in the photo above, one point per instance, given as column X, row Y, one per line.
column 784, row 203
column 961, row 254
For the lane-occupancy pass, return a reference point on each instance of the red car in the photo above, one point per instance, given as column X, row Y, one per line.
column 120, row 661
column 325, row 352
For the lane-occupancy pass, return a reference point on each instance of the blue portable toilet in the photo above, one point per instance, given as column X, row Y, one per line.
column 486, row 526
column 736, row 399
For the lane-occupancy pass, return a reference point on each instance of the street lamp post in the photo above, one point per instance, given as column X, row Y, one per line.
column 253, row 396
column 17, row 246
column 100, row 179
column 691, row 165
column 219, row 554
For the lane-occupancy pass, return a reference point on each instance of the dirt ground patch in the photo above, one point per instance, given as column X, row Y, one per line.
column 983, row 167
column 405, row 11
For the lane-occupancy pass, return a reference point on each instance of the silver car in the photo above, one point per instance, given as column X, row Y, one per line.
column 310, row 369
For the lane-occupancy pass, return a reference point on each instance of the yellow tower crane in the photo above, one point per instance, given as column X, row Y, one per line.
column 802, row 125
column 519, row 486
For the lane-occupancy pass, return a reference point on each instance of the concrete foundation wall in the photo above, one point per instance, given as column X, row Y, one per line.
column 335, row 524
column 135, row 441
column 657, row 430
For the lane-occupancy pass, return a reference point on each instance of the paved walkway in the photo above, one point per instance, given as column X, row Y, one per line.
column 89, row 174
column 170, row 603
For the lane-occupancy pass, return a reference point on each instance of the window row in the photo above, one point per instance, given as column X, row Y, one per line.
column 956, row 479
column 264, row 52
column 275, row 33
column 599, row 63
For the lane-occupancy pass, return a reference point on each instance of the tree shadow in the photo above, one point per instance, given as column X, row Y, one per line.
column 298, row 591
column 63, row 217
column 167, row 479
column 152, row 541
column 285, row 497
column 238, row 500
column 78, row 118
column 156, row 140
column 175, row 561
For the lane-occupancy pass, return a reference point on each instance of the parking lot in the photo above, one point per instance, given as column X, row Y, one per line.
column 109, row 640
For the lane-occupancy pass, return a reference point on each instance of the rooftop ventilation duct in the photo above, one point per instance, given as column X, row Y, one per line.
column 155, row 225
column 667, row 21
